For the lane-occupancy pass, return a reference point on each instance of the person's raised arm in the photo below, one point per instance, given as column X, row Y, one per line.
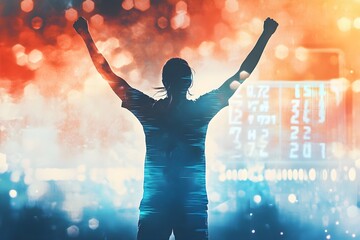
column 118, row 84
column 249, row 64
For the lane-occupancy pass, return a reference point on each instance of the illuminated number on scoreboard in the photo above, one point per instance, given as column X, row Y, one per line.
column 261, row 91
column 302, row 93
column 251, row 149
column 253, row 104
column 295, row 110
column 302, row 118
column 294, row 132
column 236, row 131
column 264, row 91
column 235, row 113
column 294, row 149
column 306, row 150
column 306, row 118
column 263, row 142
column 307, row 133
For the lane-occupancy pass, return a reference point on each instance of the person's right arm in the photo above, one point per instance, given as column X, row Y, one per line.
column 118, row 84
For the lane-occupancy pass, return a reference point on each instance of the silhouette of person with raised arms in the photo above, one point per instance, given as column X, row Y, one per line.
column 174, row 198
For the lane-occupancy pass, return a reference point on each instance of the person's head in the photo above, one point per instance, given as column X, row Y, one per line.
column 176, row 77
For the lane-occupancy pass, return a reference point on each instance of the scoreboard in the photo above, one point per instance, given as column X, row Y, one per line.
column 296, row 121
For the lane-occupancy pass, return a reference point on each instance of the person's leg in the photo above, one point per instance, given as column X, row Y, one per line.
column 154, row 226
column 191, row 225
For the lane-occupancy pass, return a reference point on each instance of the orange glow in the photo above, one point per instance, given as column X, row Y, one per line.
column 142, row 5
column 356, row 86
column 181, row 7
column 344, row 24
column 97, row 20
column 27, row 5
column 88, row 6
column 180, row 20
column 231, row 5
column 281, row 51
column 21, row 59
column 122, row 59
column 71, row 14
column 64, row 41
column 206, row 49
column 35, row 56
column 127, row 4
column 357, row 23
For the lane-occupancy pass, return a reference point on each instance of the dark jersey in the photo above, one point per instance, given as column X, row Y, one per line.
column 175, row 147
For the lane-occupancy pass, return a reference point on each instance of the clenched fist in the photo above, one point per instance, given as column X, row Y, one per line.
column 81, row 25
column 270, row 26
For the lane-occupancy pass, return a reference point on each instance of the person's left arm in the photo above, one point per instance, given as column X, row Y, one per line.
column 228, row 87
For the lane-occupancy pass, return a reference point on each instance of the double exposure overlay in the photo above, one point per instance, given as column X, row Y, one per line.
column 282, row 160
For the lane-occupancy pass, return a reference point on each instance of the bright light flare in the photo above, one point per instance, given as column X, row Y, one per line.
column 344, row 24
column 142, row 5
column 93, row 223
column 180, row 20
column 88, row 6
column 13, row 193
column 127, row 4
column 231, row 6
column 97, row 20
column 355, row 86
column 301, row 54
column 27, row 6
column 244, row 39
column 357, row 23
column 281, row 51
column 292, row 198
column 35, row 56
column 181, row 7
column 122, row 59
column 21, row 59
column 73, row 231
column 257, row 199
column 3, row 163
column 333, row 175
column 35, row 59
column 352, row 174
column 71, row 15
column 206, row 48
column 312, row 174
column 339, row 85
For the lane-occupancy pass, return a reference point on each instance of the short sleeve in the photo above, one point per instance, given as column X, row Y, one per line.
column 138, row 103
column 211, row 103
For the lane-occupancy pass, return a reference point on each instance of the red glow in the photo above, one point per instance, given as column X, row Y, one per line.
column 37, row 23
column 162, row 22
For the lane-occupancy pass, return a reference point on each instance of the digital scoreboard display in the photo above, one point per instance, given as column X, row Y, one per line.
column 276, row 121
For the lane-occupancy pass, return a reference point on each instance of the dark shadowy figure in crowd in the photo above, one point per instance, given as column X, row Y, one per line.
column 174, row 198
